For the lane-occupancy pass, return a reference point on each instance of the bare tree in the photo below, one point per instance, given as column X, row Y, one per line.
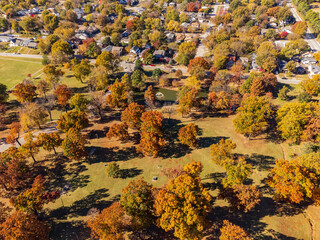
column 97, row 103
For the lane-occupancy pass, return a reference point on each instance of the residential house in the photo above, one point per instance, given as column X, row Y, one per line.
column 33, row 45
column 117, row 51
column 107, row 49
column 126, row 33
column 244, row 61
column 5, row 39
column 135, row 50
column 158, row 54
column 170, row 37
column 308, row 60
column 314, row 69
column 82, row 36
column 15, row 42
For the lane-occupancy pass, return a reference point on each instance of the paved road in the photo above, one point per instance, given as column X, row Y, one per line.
column 4, row 145
column 21, row 55
column 288, row 81
column 310, row 38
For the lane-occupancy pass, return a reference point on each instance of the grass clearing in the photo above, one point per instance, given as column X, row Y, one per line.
column 14, row 70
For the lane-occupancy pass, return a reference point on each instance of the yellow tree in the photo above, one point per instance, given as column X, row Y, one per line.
column 188, row 134
column 183, row 205
column 230, row 231
column 118, row 95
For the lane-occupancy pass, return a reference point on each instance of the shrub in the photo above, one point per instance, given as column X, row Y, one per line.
column 113, row 170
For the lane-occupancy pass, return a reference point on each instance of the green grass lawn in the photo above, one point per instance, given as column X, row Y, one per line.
column 14, row 70
column 92, row 188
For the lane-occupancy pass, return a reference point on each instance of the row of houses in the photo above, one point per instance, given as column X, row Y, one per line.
column 16, row 42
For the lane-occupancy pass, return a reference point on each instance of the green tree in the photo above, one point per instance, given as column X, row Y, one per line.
column 138, row 200
column 73, row 145
column 79, row 102
column 82, row 70
column 73, row 119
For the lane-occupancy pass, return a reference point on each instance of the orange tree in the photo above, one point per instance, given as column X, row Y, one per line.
column 63, row 94
column 132, row 115
column 241, row 197
column 119, row 131
column 24, row 92
column 183, row 205
column 109, row 224
column 230, row 231
column 32, row 200
column 20, row 225
column 73, row 145
column 73, row 119
column 150, row 96
column 151, row 133
column 296, row 180
column 137, row 199
column 118, row 96
column 197, row 67
column 188, row 135
column 14, row 170
column 49, row 141
column 14, row 135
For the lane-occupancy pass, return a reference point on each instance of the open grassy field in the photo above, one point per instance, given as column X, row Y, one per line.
column 14, row 70
column 91, row 188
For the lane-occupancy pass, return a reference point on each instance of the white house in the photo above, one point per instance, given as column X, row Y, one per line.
column 314, row 69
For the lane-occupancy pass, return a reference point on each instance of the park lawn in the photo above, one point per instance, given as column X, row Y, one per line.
column 92, row 188
column 15, row 70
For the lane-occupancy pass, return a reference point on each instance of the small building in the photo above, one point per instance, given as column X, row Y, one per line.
column 135, row 50
column 117, row 51
column 314, row 69
column 158, row 54
column 107, row 49
column 33, row 45
column 170, row 37
column 5, row 39
column 308, row 60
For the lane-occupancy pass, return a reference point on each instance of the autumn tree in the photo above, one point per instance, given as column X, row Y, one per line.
column 132, row 115
column 241, row 197
column 187, row 100
column 253, row 116
column 60, row 52
column 43, row 88
column 97, row 103
column 113, row 170
column 30, row 148
column 49, row 141
column 231, row 231
column 79, row 102
column 73, row 145
column 237, row 172
column 183, row 204
column 33, row 200
column 52, row 75
column 20, row 225
column 138, row 200
column 3, row 93
column 14, row 170
column 110, row 224
column 24, row 92
column 296, row 180
column 300, row 28
column 14, row 135
column 118, row 95
column 119, row 131
column 292, row 119
column 151, row 133
column 193, row 82
column 32, row 115
column 197, row 67
column 63, row 94
column 150, row 96
column 82, row 70
column 223, row 101
column 221, row 152
column 187, row 51
column 311, row 85
column 188, row 135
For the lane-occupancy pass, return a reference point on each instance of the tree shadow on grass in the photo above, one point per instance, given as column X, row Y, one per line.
column 60, row 173
column 69, row 230
column 258, row 161
column 112, row 154
column 82, row 207
column 175, row 150
column 205, row 142
column 129, row 173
